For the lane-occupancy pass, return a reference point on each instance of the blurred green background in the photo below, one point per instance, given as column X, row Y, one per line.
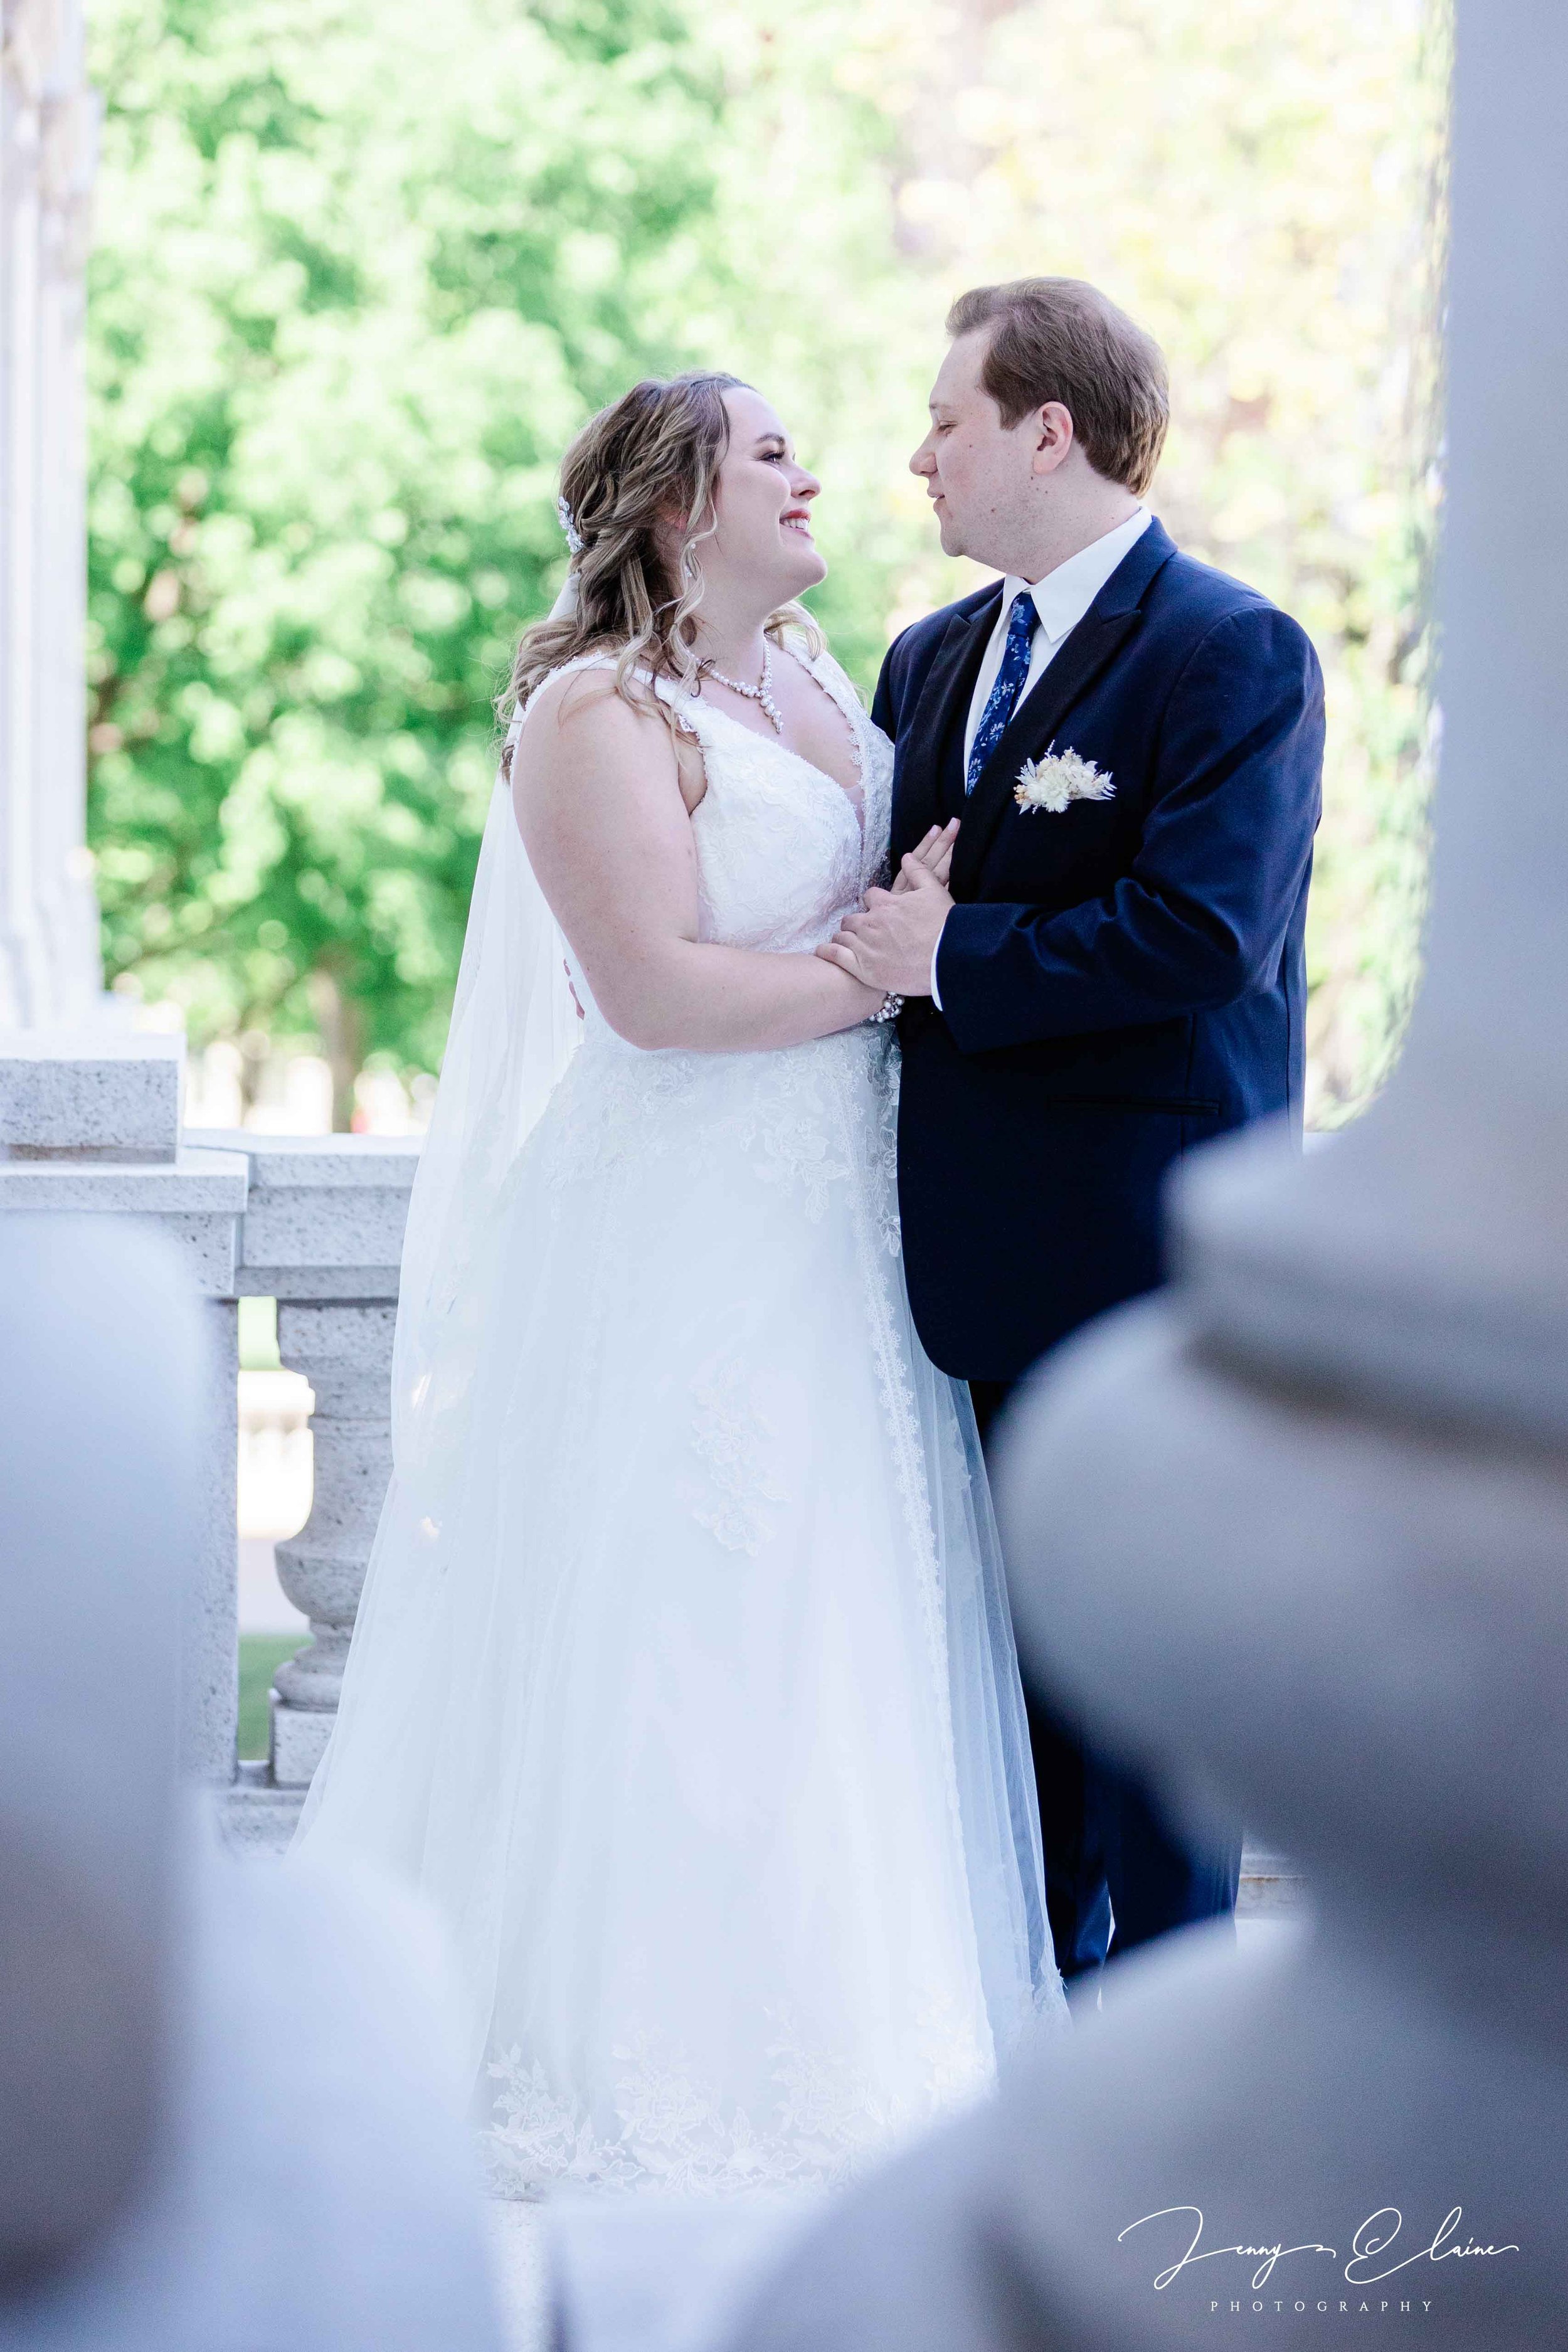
column 260, row 1655
column 362, row 266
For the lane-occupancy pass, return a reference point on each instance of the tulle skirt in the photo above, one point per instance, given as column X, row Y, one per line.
column 683, row 1681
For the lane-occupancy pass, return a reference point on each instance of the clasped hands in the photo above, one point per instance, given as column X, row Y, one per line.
column 889, row 944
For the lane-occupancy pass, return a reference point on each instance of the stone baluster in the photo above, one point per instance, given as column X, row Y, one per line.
column 323, row 1233
column 344, row 1350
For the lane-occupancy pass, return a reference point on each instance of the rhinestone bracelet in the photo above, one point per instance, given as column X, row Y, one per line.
column 889, row 1008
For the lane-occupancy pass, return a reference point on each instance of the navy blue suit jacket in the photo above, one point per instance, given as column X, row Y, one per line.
column 1119, row 983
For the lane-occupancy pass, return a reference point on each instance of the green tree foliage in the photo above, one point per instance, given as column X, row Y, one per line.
column 364, row 267
column 361, row 270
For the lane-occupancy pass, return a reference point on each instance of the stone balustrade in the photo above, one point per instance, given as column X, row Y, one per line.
column 90, row 1123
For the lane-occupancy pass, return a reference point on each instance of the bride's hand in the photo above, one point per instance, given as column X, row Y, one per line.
column 934, row 852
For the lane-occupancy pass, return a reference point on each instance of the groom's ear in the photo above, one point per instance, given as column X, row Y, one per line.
column 1054, row 437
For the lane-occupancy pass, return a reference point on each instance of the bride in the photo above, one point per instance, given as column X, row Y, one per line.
column 683, row 1682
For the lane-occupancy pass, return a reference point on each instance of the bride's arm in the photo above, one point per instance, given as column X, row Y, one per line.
column 598, row 797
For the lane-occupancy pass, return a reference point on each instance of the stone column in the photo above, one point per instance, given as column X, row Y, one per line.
column 49, row 968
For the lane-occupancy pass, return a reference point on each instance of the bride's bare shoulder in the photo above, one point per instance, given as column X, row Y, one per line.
column 580, row 731
column 569, row 700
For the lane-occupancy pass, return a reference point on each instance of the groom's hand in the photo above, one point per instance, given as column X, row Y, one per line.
column 934, row 852
column 891, row 944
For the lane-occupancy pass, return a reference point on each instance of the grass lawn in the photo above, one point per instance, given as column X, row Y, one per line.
column 260, row 1655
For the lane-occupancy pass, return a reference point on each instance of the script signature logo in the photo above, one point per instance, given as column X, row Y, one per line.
column 1375, row 2239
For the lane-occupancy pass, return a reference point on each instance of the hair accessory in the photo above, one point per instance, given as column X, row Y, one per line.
column 574, row 541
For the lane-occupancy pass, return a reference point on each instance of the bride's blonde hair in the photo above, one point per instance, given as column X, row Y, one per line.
column 638, row 490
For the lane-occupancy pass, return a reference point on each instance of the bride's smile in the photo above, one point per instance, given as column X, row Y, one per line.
column 760, row 554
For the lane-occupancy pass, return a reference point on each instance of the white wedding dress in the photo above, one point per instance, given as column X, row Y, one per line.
column 683, row 1681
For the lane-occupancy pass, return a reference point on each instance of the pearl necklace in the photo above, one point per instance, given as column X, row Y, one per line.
column 761, row 695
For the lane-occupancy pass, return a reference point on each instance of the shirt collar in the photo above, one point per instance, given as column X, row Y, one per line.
column 1065, row 596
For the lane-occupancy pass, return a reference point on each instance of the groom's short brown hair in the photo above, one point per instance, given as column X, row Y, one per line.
column 1060, row 339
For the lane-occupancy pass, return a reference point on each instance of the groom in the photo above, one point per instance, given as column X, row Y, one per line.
column 1132, row 745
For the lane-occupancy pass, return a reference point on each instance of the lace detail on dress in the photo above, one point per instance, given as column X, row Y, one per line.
column 884, row 1142
column 826, row 2126
column 732, row 1437
column 610, row 1107
column 617, row 1106
column 782, row 857
column 874, row 754
column 790, row 1115
column 779, row 842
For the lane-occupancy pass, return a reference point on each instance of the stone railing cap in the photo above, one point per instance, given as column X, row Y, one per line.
column 193, row 1183
column 318, row 1162
column 91, row 1091
column 56, row 1042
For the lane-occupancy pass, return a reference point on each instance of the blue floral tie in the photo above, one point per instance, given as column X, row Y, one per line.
column 1009, row 686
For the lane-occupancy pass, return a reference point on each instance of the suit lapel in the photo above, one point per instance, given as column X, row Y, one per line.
column 943, row 697
column 1114, row 615
column 1028, row 733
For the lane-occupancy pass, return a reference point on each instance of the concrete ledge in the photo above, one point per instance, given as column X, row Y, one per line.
column 90, row 1093
column 257, row 1819
column 325, row 1213
column 197, row 1200
column 317, row 1283
column 318, row 1162
column 190, row 1182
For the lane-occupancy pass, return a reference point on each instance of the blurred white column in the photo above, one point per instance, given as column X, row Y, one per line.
column 89, row 1124
column 230, row 2101
column 1423, row 1262
column 49, row 968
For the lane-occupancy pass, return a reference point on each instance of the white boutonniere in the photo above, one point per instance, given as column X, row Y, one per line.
column 1057, row 780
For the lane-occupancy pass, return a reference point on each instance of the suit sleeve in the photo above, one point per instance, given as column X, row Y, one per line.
column 886, row 700
column 1201, row 917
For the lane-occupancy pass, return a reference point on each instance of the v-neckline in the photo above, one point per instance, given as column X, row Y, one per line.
column 854, row 802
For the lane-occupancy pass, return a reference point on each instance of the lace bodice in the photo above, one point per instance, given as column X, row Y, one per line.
column 783, row 851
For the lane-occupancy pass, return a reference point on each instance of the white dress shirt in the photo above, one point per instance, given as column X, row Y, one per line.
column 1061, row 600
